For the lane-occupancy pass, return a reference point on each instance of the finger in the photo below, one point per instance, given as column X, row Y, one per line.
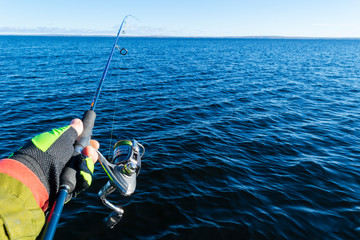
column 77, row 124
column 91, row 153
column 95, row 144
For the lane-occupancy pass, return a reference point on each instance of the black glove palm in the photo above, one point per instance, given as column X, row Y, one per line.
column 47, row 154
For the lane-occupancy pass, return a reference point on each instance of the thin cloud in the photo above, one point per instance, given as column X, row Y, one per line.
column 52, row 30
column 130, row 30
column 147, row 30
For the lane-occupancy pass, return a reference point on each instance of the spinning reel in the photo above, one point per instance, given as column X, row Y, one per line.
column 122, row 171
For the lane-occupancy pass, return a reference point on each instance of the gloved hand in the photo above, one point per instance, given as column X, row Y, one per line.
column 47, row 154
column 84, row 167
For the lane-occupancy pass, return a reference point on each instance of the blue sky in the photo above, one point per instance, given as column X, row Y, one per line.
column 299, row 18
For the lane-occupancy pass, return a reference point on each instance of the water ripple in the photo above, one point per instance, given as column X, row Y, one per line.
column 258, row 141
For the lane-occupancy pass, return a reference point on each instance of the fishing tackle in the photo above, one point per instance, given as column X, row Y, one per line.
column 68, row 176
column 122, row 171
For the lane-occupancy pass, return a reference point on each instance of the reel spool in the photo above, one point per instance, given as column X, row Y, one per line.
column 122, row 171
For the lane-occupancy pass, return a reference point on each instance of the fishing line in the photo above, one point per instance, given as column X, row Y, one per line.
column 123, row 51
column 113, row 119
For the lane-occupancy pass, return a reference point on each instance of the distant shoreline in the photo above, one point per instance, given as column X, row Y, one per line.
column 189, row 37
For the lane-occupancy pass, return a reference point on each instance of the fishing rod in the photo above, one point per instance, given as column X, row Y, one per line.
column 97, row 93
column 119, row 173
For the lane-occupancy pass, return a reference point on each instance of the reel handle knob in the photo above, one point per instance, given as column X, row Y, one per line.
column 113, row 219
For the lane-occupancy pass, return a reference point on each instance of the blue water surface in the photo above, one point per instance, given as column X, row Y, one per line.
column 245, row 138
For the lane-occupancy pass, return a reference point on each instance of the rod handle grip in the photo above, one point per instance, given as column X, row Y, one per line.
column 88, row 123
column 68, row 175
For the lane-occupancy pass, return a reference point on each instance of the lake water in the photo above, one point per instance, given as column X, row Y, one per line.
column 244, row 138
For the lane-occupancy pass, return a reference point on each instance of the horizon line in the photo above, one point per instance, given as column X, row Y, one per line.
column 179, row 36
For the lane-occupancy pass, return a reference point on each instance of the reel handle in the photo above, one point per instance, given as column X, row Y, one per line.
column 68, row 175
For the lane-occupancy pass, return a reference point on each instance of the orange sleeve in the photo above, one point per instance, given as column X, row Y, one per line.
column 20, row 172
